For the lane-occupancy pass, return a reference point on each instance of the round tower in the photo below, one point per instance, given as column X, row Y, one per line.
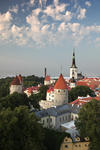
column 16, row 86
column 60, row 92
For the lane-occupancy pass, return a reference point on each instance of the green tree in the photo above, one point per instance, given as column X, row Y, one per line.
column 34, row 100
column 80, row 91
column 14, row 100
column 53, row 139
column 88, row 123
column 42, row 92
column 19, row 130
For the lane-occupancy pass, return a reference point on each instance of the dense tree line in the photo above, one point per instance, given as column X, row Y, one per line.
column 88, row 123
column 32, row 80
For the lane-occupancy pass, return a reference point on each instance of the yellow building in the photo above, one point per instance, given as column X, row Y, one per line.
column 68, row 144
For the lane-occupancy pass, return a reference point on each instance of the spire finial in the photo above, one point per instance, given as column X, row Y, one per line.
column 73, row 59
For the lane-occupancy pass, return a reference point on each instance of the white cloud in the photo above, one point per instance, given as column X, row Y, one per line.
column 14, row 9
column 36, row 11
column 74, row 27
column 32, row 2
column 34, row 23
column 56, row 2
column 60, row 8
column 45, row 28
column 6, row 17
column 87, row 3
column 5, row 23
column 50, row 11
column 82, row 14
column 47, row 25
column 68, row 15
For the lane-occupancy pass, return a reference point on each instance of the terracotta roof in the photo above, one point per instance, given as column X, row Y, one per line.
column 47, row 78
column 51, row 89
column 84, row 100
column 15, row 81
column 60, row 84
column 20, row 78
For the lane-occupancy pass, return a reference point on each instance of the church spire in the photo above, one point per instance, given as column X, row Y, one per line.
column 73, row 60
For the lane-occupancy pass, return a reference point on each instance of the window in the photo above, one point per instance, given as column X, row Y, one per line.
column 66, row 146
column 60, row 119
column 58, row 91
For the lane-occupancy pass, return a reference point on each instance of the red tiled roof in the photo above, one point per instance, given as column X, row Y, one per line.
column 47, row 78
column 51, row 89
column 60, row 84
column 15, row 81
column 83, row 100
column 32, row 89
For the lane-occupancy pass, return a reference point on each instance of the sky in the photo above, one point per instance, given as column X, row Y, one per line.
column 35, row 34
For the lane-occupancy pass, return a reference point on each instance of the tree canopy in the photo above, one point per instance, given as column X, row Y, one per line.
column 19, row 130
column 88, row 123
column 79, row 91
column 53, row 139
column 14, row 100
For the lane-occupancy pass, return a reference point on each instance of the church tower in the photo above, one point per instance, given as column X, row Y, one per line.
column 73, row 68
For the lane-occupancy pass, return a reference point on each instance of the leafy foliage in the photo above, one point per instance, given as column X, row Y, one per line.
column 14, row 100
column 79, row 91
column 35, row 98
column 42, row 92
column 4, row 86
column 53, row 139
column 32, row 80
column 19, row 130
column 88, row 123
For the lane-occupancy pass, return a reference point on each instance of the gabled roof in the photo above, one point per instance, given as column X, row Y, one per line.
column 15, row 81
column 84, row 100
column 51, row 89
column 60, row 84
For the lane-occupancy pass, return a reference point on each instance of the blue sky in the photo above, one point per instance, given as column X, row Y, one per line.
column 42, row 33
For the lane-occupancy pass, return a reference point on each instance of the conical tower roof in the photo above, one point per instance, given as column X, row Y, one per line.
column 60, row 84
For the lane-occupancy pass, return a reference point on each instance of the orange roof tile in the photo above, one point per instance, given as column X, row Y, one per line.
column 47, row 78
column 60, row 84
column 15, row 81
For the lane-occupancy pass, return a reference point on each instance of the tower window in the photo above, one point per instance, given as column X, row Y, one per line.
column 66, row 146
